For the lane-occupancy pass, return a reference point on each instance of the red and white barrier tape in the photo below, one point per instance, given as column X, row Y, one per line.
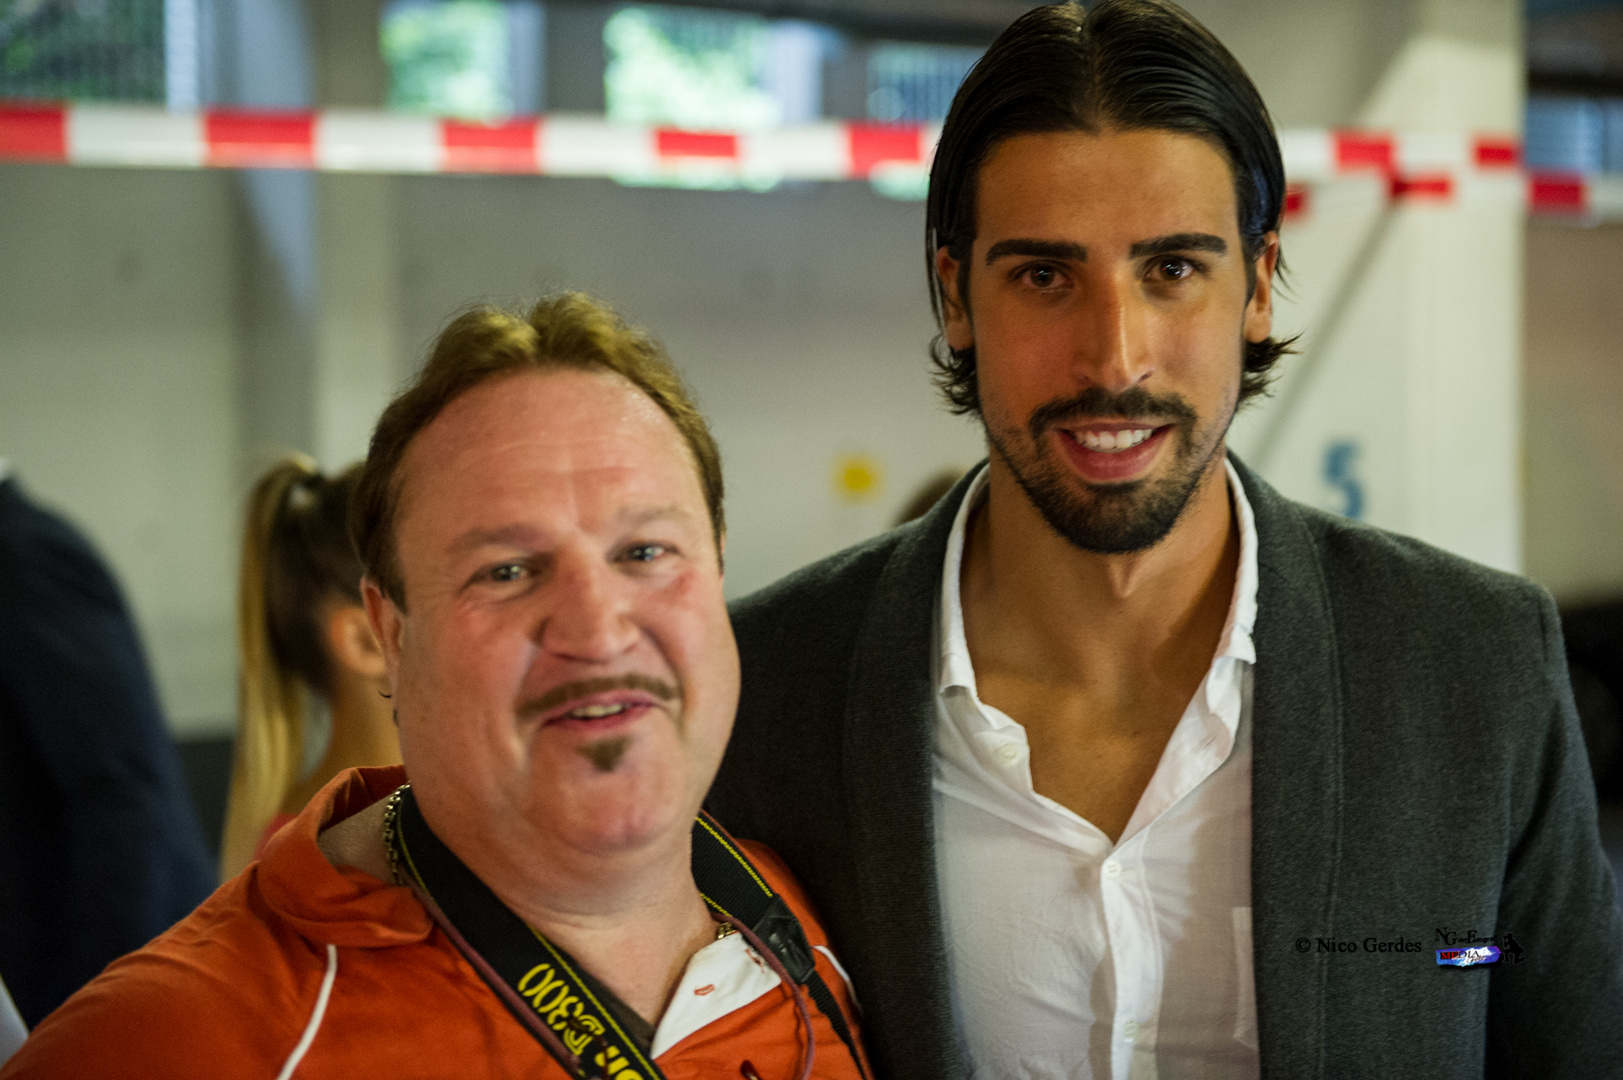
column 1416, row 167
column 346, row 141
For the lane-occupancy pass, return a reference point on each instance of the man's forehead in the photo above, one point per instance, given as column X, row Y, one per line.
column 575, row 433
column 566, row 412
column 1133, row 186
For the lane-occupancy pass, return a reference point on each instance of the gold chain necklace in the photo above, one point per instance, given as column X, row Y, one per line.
column 391, row 818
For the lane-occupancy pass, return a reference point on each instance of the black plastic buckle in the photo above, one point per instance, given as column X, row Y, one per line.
column 781, row 932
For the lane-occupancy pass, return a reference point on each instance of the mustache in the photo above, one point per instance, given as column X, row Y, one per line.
column 1131, row 404
column 555, row 697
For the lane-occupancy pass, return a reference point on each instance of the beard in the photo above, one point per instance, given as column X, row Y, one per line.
column 1110, row 519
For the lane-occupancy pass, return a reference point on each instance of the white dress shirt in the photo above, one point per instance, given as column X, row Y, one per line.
column 1078, row 958
column 12, row 1030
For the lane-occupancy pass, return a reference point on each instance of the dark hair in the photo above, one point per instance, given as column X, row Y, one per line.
column 569, row 330
column 1130, row 64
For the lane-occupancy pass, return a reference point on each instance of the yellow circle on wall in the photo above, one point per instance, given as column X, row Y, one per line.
column 858, row 477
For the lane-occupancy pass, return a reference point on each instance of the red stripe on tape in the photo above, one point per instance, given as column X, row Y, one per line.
column 874, row 143
column 504, row 148
column 1497, row 153
column 261, row 139
column 34, row 133
column 1361, row 150
column 1421, row 186
column 1554, row 193
column 1295, row 200
column 703, row 144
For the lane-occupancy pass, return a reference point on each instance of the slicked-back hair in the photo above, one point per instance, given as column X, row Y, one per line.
column 1129, row 65
column 567, row 331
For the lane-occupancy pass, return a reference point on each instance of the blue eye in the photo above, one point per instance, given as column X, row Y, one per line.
column 645, row 552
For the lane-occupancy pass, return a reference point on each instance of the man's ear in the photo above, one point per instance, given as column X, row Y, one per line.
column 387, row 623
column 351, row 642
column 959, row 334
column 1259, row 311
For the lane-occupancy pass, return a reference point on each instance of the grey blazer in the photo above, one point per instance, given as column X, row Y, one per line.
column 1418, row 772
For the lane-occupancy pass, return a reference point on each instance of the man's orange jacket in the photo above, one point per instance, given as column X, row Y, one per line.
column 247, row 984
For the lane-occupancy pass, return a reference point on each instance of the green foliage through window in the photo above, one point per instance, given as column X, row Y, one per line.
column 448, row 58
column 688, row 68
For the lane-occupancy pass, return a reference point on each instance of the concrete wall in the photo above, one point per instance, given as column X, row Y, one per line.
column 1315, row 62
column 1404, row 407
column 118, row 373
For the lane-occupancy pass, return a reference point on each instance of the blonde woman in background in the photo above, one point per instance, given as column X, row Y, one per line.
column 302, row 634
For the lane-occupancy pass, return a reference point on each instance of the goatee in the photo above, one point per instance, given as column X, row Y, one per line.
column 1111, row 519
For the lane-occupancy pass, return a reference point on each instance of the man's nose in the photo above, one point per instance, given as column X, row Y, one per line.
column 588, row 614
column 1111, row 350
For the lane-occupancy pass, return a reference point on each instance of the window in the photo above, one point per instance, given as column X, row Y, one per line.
column 476, row 59
column 112, row 50
column 1574, row 134
column 182, row 50
column 915, row 83
column 912, row 84
column 710, row 70
column 1611, row 135
column 1565, row 134
column 690, row 69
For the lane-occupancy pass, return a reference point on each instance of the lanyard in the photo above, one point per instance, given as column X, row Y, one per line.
column 541, row 985
column 538, row 982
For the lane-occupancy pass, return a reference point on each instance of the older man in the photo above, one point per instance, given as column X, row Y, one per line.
column 540, row 522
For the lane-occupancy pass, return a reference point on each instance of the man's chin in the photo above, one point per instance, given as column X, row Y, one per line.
column 621, row 830
column 1104, row 519
column 626, row 809
column 1104, row 515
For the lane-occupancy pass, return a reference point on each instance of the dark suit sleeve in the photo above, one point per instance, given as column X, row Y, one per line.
column 1559, row 1011
column 102, row 848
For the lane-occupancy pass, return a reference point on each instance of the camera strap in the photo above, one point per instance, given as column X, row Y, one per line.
column 543, row 987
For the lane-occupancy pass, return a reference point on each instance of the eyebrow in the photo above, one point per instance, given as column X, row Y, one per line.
column 1187, row 241
column 1041, row 249
column 1065, row 249
column 653, row 513
column 478, row 538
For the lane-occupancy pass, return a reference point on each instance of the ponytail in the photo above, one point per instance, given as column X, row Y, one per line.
column 295, row 555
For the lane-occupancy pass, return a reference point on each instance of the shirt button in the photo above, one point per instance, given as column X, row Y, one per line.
column 1008, row 753
column 1129, row 1030
column 1112, row 870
